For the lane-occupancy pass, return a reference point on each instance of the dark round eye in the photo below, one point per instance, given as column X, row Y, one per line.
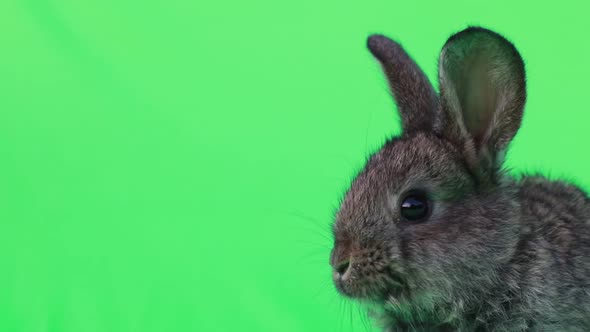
column 414, row 206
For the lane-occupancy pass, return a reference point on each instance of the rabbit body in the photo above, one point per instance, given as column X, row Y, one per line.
column 434, row 234
column 550, row 271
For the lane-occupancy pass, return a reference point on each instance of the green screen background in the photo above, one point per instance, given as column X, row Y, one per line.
column 174, row 165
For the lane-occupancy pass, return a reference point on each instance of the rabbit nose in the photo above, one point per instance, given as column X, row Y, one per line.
column 342, row 267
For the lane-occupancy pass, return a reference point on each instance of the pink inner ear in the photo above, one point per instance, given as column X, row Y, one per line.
column 477, row 95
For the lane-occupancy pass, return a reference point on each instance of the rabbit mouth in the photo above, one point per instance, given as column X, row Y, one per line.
column 378, row 288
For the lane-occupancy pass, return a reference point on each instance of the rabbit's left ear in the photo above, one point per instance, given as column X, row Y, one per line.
column 482, row 88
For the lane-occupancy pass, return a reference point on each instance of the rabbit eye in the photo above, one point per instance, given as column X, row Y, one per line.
column 414, row 206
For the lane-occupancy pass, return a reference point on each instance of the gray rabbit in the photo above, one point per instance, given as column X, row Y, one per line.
column 433, row 232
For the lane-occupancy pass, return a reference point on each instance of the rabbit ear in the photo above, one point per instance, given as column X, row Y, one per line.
column 482, row 88
column 415, row 97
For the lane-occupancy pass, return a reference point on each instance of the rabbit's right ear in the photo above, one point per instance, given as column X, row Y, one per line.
column 482, row 88
column 416, row 100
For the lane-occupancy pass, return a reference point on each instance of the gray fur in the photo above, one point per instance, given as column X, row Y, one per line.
column 496, row 253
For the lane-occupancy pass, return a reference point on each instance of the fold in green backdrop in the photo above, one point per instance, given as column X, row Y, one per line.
column 174, row 165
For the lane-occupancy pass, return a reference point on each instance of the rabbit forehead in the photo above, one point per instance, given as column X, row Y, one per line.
column 421, row 161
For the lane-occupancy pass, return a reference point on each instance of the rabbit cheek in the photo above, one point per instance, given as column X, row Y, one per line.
column 425, row 252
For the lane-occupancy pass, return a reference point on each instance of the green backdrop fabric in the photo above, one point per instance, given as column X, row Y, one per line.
column 174, row 165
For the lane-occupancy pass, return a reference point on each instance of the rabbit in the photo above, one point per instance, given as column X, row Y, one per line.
column 433, row 234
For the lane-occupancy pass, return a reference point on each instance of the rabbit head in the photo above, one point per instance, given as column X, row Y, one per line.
column 429, row 222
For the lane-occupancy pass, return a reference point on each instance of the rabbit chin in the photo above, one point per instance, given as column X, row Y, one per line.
column 388, row 298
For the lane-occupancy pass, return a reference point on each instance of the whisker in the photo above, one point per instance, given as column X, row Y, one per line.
column 340, row 314
column 364, row 319
column 351, row 318
column 323, row 228
column 324, row 286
